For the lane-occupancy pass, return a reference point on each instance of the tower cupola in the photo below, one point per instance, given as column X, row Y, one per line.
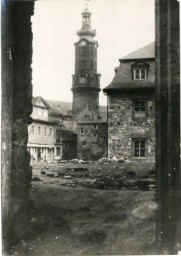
column 86, row 29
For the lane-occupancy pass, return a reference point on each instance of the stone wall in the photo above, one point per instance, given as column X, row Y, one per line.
column 16, row 111
column 92, row 144
column 123, row 128
column 82, row 99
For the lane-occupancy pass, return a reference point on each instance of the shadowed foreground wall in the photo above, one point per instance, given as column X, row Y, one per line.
column 16, row 110
column 168, row 183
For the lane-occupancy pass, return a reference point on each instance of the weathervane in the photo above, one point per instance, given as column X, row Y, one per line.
column 87, row 3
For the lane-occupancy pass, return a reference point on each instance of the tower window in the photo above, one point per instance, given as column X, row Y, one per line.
column 139, row 148
column 83, row 143
column 82, row 131
column 39, row 130
column 45, row 131
column 95, row 135
column 95, row 126
column 33, row 130
column 82, row 79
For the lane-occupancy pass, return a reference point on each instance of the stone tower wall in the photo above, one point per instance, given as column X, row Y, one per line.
column 82, row 99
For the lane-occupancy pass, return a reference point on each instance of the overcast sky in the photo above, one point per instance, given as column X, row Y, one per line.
column 122, row 26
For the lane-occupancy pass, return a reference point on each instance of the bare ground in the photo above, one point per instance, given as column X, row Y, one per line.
column 80, row 221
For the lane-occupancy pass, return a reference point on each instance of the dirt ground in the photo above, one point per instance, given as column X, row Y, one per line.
column 73, row 220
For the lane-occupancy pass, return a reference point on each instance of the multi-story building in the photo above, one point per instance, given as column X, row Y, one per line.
column 131, row 107
column 42, row 133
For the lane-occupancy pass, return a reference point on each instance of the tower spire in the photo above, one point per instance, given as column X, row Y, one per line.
column 86, row 4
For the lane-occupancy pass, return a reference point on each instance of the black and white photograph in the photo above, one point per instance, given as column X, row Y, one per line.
column 90, row 127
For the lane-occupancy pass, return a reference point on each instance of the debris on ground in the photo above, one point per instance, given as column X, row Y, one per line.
column 109, row 176
column 36, row 179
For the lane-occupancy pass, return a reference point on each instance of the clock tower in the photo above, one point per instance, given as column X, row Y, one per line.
column 86, row 80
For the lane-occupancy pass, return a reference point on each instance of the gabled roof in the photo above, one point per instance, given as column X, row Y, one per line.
column 145, row 52
column 61, row 107
column 37, row 101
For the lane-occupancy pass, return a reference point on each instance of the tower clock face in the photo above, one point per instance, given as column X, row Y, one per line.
column 83, row 43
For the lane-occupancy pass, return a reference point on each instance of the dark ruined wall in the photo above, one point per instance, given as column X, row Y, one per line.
column 16, row 110
column 168, row 193
column 69, row 145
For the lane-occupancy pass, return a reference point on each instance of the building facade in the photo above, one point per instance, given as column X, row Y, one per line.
column 42, row 133
column 131, row 107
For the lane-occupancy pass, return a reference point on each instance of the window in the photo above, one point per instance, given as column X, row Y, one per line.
column 33, row 130
column 139, row 108
column 84, row 155
column 83, row 143
column 82, row 79
column 139, row 148
column 81, row 130
column 58, row 151
column 95, row 126
column 45, row 131
column 95, row 135
column 58, row 137
column 39, row 130
column 39, row 112
column 50, row 131
column 140, row 71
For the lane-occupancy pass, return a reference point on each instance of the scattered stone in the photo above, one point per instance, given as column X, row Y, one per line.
column 151, row 186
column 114, row 159
column 144, row 183
column 131, row 173
column 43, row 172
column 36, row 179
column 50, row 174
column 152, row 172
column 67, row 177
column 121, row 160
column 97, row 184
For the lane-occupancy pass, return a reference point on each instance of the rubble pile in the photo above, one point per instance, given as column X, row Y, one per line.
column 108, row 176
